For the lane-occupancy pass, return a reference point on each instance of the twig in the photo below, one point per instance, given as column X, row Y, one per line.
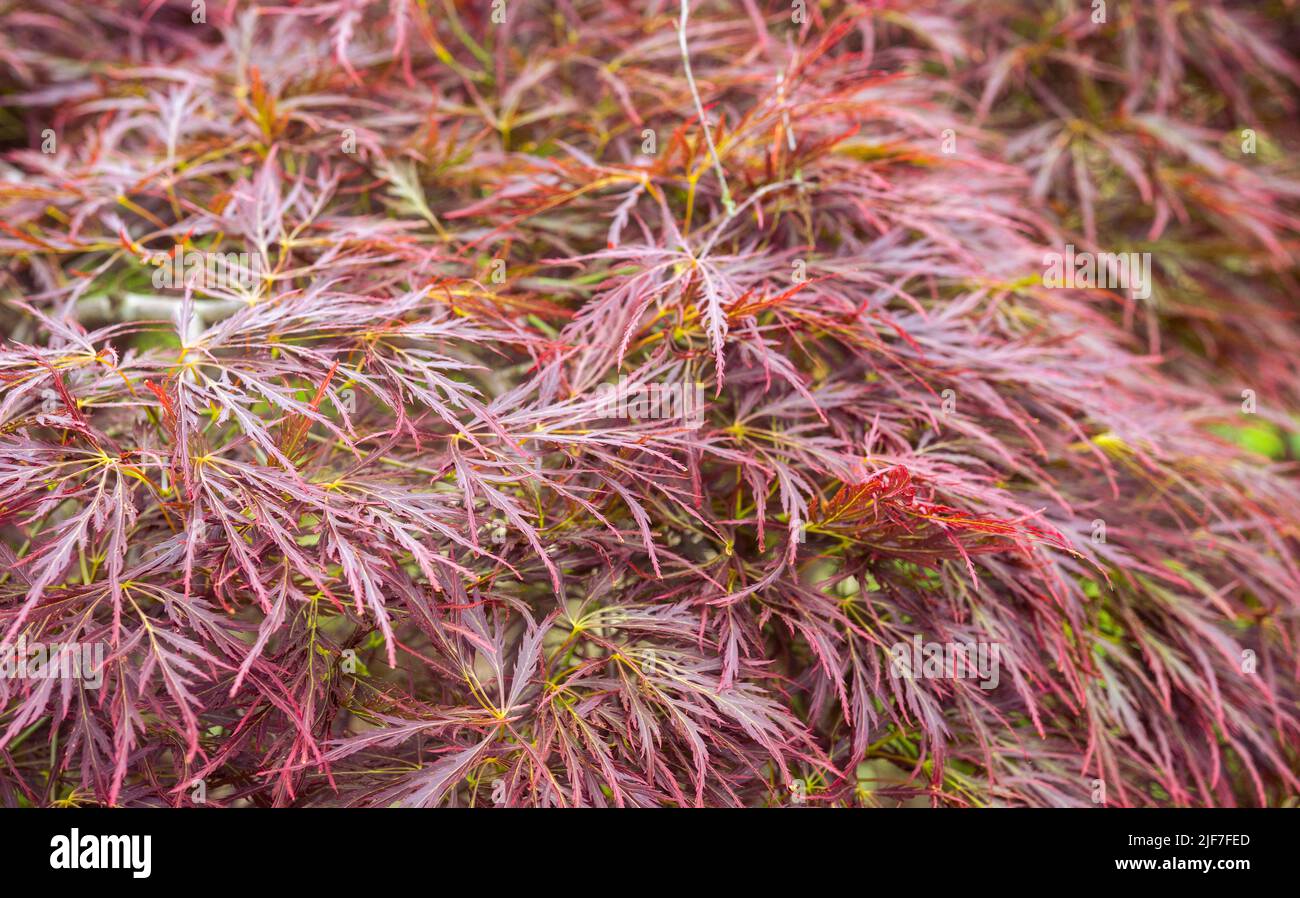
column 727, row 202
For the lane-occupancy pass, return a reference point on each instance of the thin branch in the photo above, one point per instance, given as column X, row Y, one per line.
column 727, row 201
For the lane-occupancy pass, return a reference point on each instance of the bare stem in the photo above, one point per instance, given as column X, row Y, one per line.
column 727, row 202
